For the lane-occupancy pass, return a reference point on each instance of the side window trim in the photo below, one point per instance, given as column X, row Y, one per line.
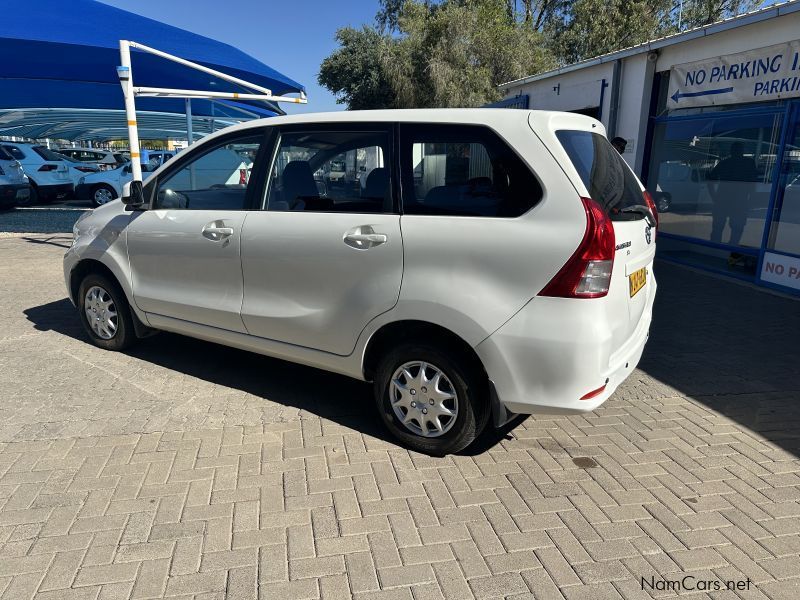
column 188, row 156
column 387, row 127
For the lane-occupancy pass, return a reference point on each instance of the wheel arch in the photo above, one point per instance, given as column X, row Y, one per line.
column 412, row 330
column 89, row 266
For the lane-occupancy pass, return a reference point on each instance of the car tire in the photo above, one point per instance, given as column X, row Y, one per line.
column 33, row 199
column 101, row 193
column 97, row 293
column 456, row 378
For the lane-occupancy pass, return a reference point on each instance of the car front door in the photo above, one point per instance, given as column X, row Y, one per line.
column 185, row 250
column 325, row 256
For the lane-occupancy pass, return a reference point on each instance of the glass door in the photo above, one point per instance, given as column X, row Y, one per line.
column 780, row 263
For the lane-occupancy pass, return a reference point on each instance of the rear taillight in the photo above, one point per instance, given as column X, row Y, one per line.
column 587, row 273
column 45, row 168
column 651, row 205
column 242, row 176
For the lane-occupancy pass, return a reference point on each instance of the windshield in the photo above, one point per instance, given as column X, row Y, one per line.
column 603, row 171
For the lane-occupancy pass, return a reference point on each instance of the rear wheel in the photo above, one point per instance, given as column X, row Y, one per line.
column 430, row 400
column 105, row 313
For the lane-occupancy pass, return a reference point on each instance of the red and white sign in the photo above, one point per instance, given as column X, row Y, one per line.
column 782, row 270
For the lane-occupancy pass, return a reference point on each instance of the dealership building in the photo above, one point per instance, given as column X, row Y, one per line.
column 711, row 117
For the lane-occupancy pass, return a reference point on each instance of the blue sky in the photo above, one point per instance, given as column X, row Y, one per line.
column 292, row 37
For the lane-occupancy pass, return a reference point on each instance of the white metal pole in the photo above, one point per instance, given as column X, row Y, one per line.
column 126, row 80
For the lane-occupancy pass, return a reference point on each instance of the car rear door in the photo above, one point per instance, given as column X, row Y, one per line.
column 324, row 258
column 599, row 171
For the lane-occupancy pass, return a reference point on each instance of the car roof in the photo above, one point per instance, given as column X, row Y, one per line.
column 498, row 117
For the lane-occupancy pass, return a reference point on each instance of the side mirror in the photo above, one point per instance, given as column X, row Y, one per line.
column 127, row 169
column 132, row 194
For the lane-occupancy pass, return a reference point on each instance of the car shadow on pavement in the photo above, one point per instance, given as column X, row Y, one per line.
column 340, row 399
column 731, row 347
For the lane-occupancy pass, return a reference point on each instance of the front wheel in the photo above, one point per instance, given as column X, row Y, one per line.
column 103, row 194
column 105, row 314
column 429, row 399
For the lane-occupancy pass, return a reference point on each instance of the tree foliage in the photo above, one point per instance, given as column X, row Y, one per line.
column 425, row 54
column 448, row 53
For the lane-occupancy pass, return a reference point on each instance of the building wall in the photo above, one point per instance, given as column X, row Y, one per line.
column 581, row 88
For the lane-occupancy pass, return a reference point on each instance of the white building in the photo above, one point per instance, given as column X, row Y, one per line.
column 711, row 117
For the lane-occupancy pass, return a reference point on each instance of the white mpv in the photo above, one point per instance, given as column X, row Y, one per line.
column 473, row 263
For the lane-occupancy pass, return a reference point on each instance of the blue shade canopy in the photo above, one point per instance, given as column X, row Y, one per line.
column 64, row 54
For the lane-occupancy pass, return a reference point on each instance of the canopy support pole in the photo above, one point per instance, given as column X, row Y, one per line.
column 126, row 79
column 130, row 92
column 189, row 132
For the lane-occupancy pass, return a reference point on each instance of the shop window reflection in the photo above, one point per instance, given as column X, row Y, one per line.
column 711, row 178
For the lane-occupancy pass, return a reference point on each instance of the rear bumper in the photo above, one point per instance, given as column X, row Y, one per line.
column 548, row 356
column 55, row 192
column 12, row 193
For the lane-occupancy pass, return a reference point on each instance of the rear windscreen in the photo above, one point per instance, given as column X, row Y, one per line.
column 602, row 170
column 46, row 154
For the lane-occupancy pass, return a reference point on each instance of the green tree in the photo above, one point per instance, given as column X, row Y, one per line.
column 587, row 28
column 433, row 54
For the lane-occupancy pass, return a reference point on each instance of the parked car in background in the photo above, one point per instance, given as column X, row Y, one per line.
column 78, row 169
column 47, row 173
column 104, row 186
column 14, row 187
column 522, row 281
column 105, row 159
column 156, row 158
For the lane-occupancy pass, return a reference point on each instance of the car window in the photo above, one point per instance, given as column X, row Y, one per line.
column 4, row 155
column 15, row 152
column 217, row 179
column 602, row 170
column 464, row 170
column 46, row 153
column 332, row 171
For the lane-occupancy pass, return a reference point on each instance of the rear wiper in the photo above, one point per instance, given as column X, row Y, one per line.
column 643, row 210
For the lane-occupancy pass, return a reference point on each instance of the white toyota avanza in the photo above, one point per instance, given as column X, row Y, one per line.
column 472, row 263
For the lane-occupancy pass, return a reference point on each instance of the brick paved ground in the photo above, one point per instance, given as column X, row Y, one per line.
column 189, row 470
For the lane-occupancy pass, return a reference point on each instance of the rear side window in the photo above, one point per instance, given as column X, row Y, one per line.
column 15, row 152
column 602, row 170
column 46, row 154
column 464, row 170
column 4, row 155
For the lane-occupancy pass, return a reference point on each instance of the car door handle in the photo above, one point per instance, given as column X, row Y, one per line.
column 216, row 233
column 374, row 239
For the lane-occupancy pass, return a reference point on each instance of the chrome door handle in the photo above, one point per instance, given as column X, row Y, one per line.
column 216, row 233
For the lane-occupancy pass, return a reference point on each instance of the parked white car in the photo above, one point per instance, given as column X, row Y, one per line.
column 522, row 281
column 104, row 159
column 48, row 174
column 14, row 187
column 104, row 186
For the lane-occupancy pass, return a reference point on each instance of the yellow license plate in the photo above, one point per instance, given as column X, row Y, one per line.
column 636, row 280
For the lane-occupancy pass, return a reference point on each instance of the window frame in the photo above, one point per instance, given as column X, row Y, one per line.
column 408, row 131
column 389, row 128
column 254, row 187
